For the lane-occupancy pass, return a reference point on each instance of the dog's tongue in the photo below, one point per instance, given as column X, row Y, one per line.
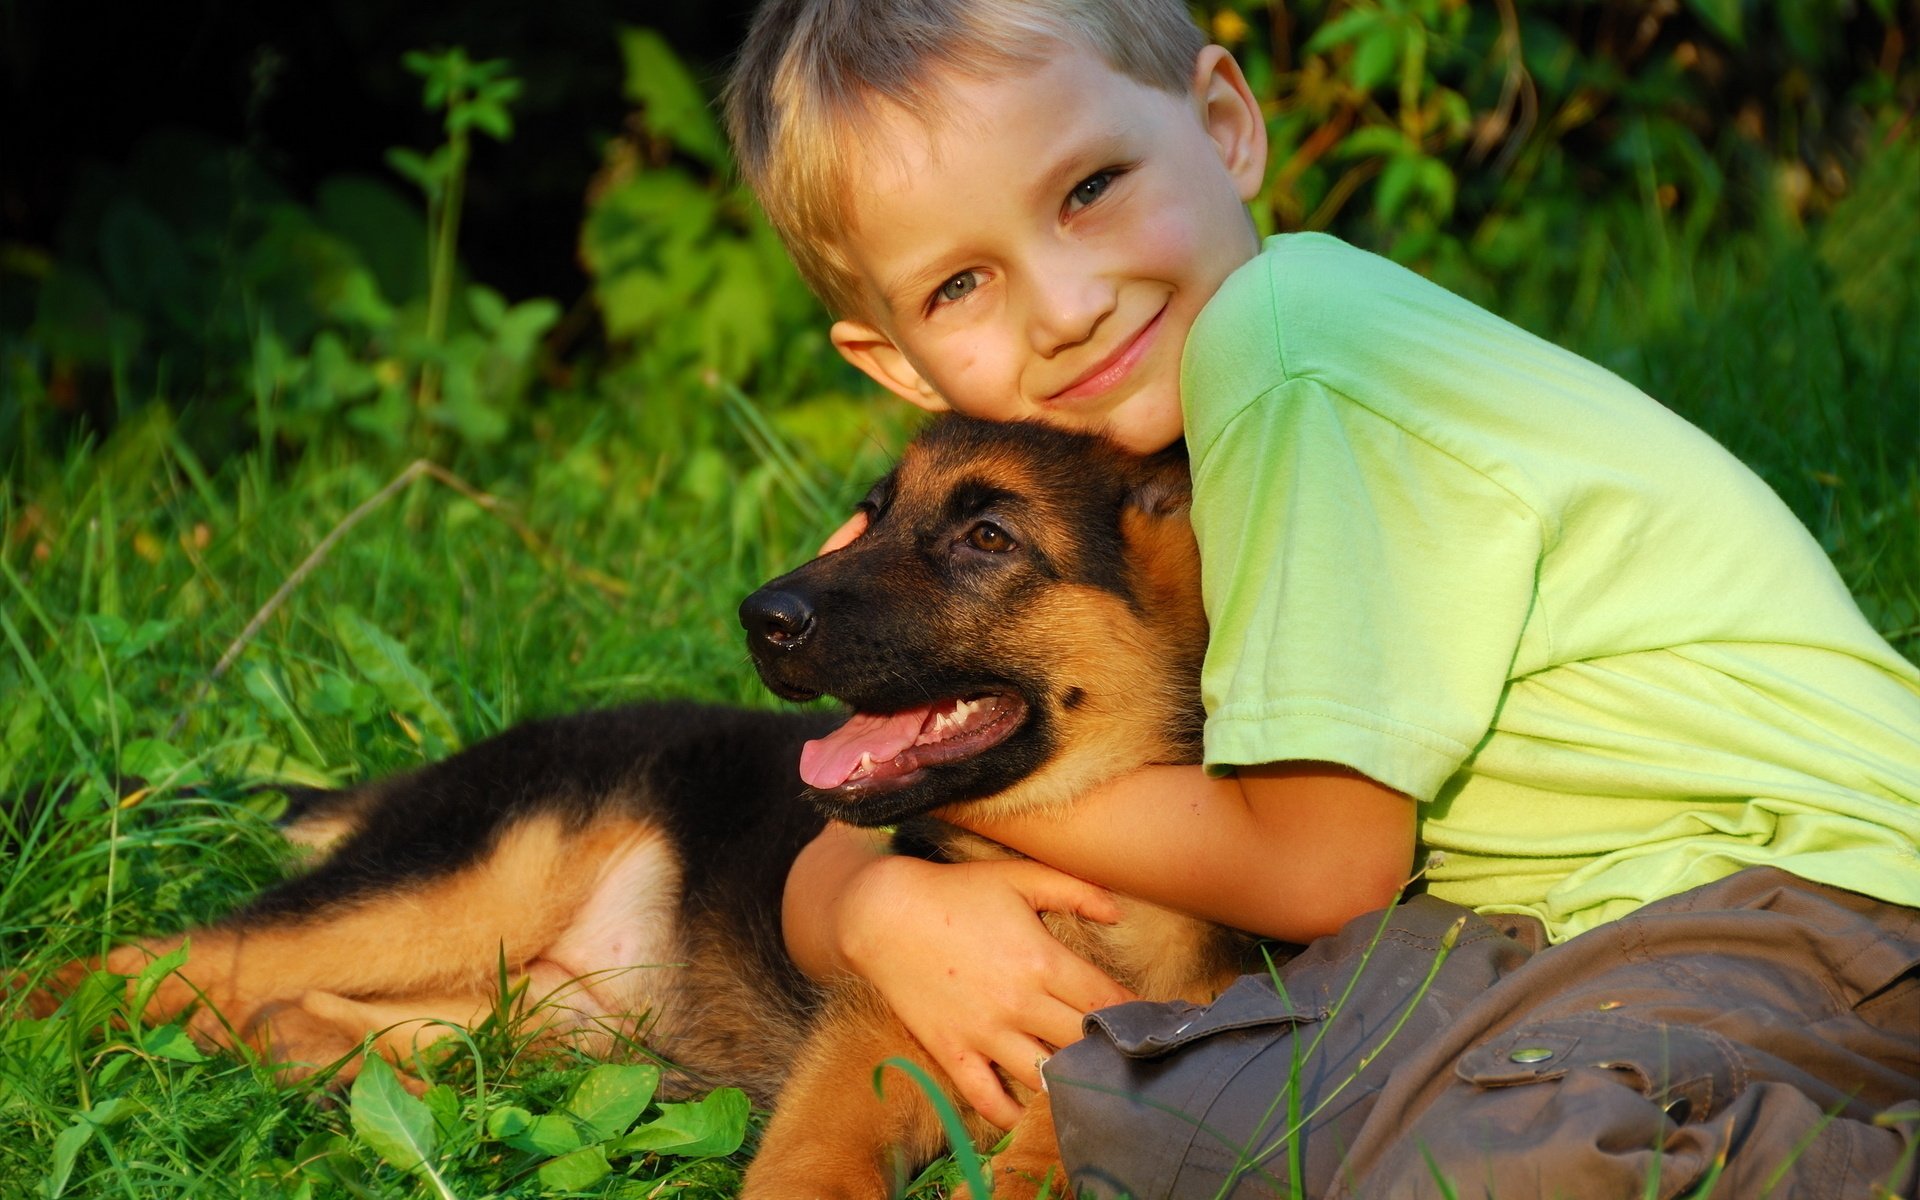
column 829, row 762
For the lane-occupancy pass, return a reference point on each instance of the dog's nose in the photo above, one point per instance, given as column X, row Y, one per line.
column 781, row 619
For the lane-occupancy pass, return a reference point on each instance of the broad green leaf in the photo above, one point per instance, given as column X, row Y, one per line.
column 384, row 227
column 522, row 326
column 416, row 169
column 487, row 307
column 1342, row 29
column 576, row 1171
column 155, row 971
column 261, row 762
column 1396, row 182
column 1722, row 16
column 509, row 1120
column 444, row 1103
column 708, row 1127
column 171, row 1042
column 548, row 1133
column 66, row 1148
column 143, row 257
column 610, row 1098
column 385, row 664
column 1369, row 140
column 151, row 758
column 112, row 1110
column 1437, row 181
column 393, row 1124
column 1375, row 56
column 676, row 108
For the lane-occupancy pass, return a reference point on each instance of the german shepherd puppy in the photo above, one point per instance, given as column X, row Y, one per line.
column 1020, row 621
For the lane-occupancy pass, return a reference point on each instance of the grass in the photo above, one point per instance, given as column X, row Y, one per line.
column 591, row 561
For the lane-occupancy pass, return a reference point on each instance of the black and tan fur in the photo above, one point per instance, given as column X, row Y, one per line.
column 628, row 864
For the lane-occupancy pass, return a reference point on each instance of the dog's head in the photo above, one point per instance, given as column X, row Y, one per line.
column 1021, row 619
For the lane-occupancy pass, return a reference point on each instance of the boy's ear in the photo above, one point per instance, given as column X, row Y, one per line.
column 874, row 353
column 1232, row 117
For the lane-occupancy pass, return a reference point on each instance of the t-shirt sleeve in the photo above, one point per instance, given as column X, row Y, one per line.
column 1366, row 590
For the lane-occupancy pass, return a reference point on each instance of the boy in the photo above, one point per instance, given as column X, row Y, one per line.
column 1469, row 595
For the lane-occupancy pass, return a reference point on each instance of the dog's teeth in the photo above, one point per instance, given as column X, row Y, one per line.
column 865, row 765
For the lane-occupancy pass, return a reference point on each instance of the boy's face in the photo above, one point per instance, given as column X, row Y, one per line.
column 1043, row 251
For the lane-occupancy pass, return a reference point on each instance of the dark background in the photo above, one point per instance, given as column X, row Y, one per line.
column 316, row 89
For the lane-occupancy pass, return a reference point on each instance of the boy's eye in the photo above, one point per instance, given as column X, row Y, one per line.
column 957, row 287
column 1090, row 189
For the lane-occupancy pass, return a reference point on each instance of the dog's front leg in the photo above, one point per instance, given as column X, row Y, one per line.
column 1031, row 1160
column 832, row 1135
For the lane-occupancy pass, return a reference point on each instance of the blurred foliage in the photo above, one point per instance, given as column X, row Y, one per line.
column 1508, row 148
column 1528, row 153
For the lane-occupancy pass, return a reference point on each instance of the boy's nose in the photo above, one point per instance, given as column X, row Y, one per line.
column 1068, row 307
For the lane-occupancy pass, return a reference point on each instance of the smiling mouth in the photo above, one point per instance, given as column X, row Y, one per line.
column 1116, row 367
column 882, row 751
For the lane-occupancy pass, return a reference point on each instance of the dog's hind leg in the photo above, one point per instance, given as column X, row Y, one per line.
column 549, row 902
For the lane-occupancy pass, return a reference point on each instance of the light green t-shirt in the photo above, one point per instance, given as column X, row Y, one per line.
column 1604, row 657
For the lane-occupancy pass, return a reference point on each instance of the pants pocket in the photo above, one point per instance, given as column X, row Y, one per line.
column 1155, row 1098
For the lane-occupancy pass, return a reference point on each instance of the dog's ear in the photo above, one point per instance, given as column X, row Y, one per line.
column 1160, row 485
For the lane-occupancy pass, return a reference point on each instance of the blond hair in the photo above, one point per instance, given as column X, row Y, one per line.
column 813, row 72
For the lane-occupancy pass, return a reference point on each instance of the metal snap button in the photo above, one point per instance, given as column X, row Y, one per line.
column 1530, row 1054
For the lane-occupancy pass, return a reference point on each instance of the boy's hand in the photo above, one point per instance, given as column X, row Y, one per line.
column 960, row 954
column 854, row 527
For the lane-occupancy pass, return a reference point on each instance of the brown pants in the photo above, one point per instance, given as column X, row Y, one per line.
column 1762, row 1027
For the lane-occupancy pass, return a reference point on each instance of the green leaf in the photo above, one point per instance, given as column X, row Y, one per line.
column 1342, row 29
column 487, row 306
column 611, row 1097
column 1436, row 180
column 549, row 1134
column 522, row 326
column 171, row 1042
column 386, row 665
column 262, row 762
column 1375, row 56
column 708, row 1127
column 416, row 169
column 1369, row 140
column 151, row 758
column 491, row 119
column 158, row 969
column 576, row 1171
column 393, row 1124
column 508, row 1121
column 1396, row 184
column 1721, row 16
column 113, row 1110
column 444, row 1103
column 66, row 1148
column 675, row 106
column 143, row 257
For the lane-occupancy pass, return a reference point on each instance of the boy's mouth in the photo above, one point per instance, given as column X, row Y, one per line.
column 1115, row 367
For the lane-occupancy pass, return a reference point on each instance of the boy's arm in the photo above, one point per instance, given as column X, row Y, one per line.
column 1291, row 851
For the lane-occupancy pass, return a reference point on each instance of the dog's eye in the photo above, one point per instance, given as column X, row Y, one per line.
column 989, row 537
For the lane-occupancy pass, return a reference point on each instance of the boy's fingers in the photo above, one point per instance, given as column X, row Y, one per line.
column 1059, row 1025
column 976, row 1082
column 841, row 537
column 1022, row 1062
column 1049, row 890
